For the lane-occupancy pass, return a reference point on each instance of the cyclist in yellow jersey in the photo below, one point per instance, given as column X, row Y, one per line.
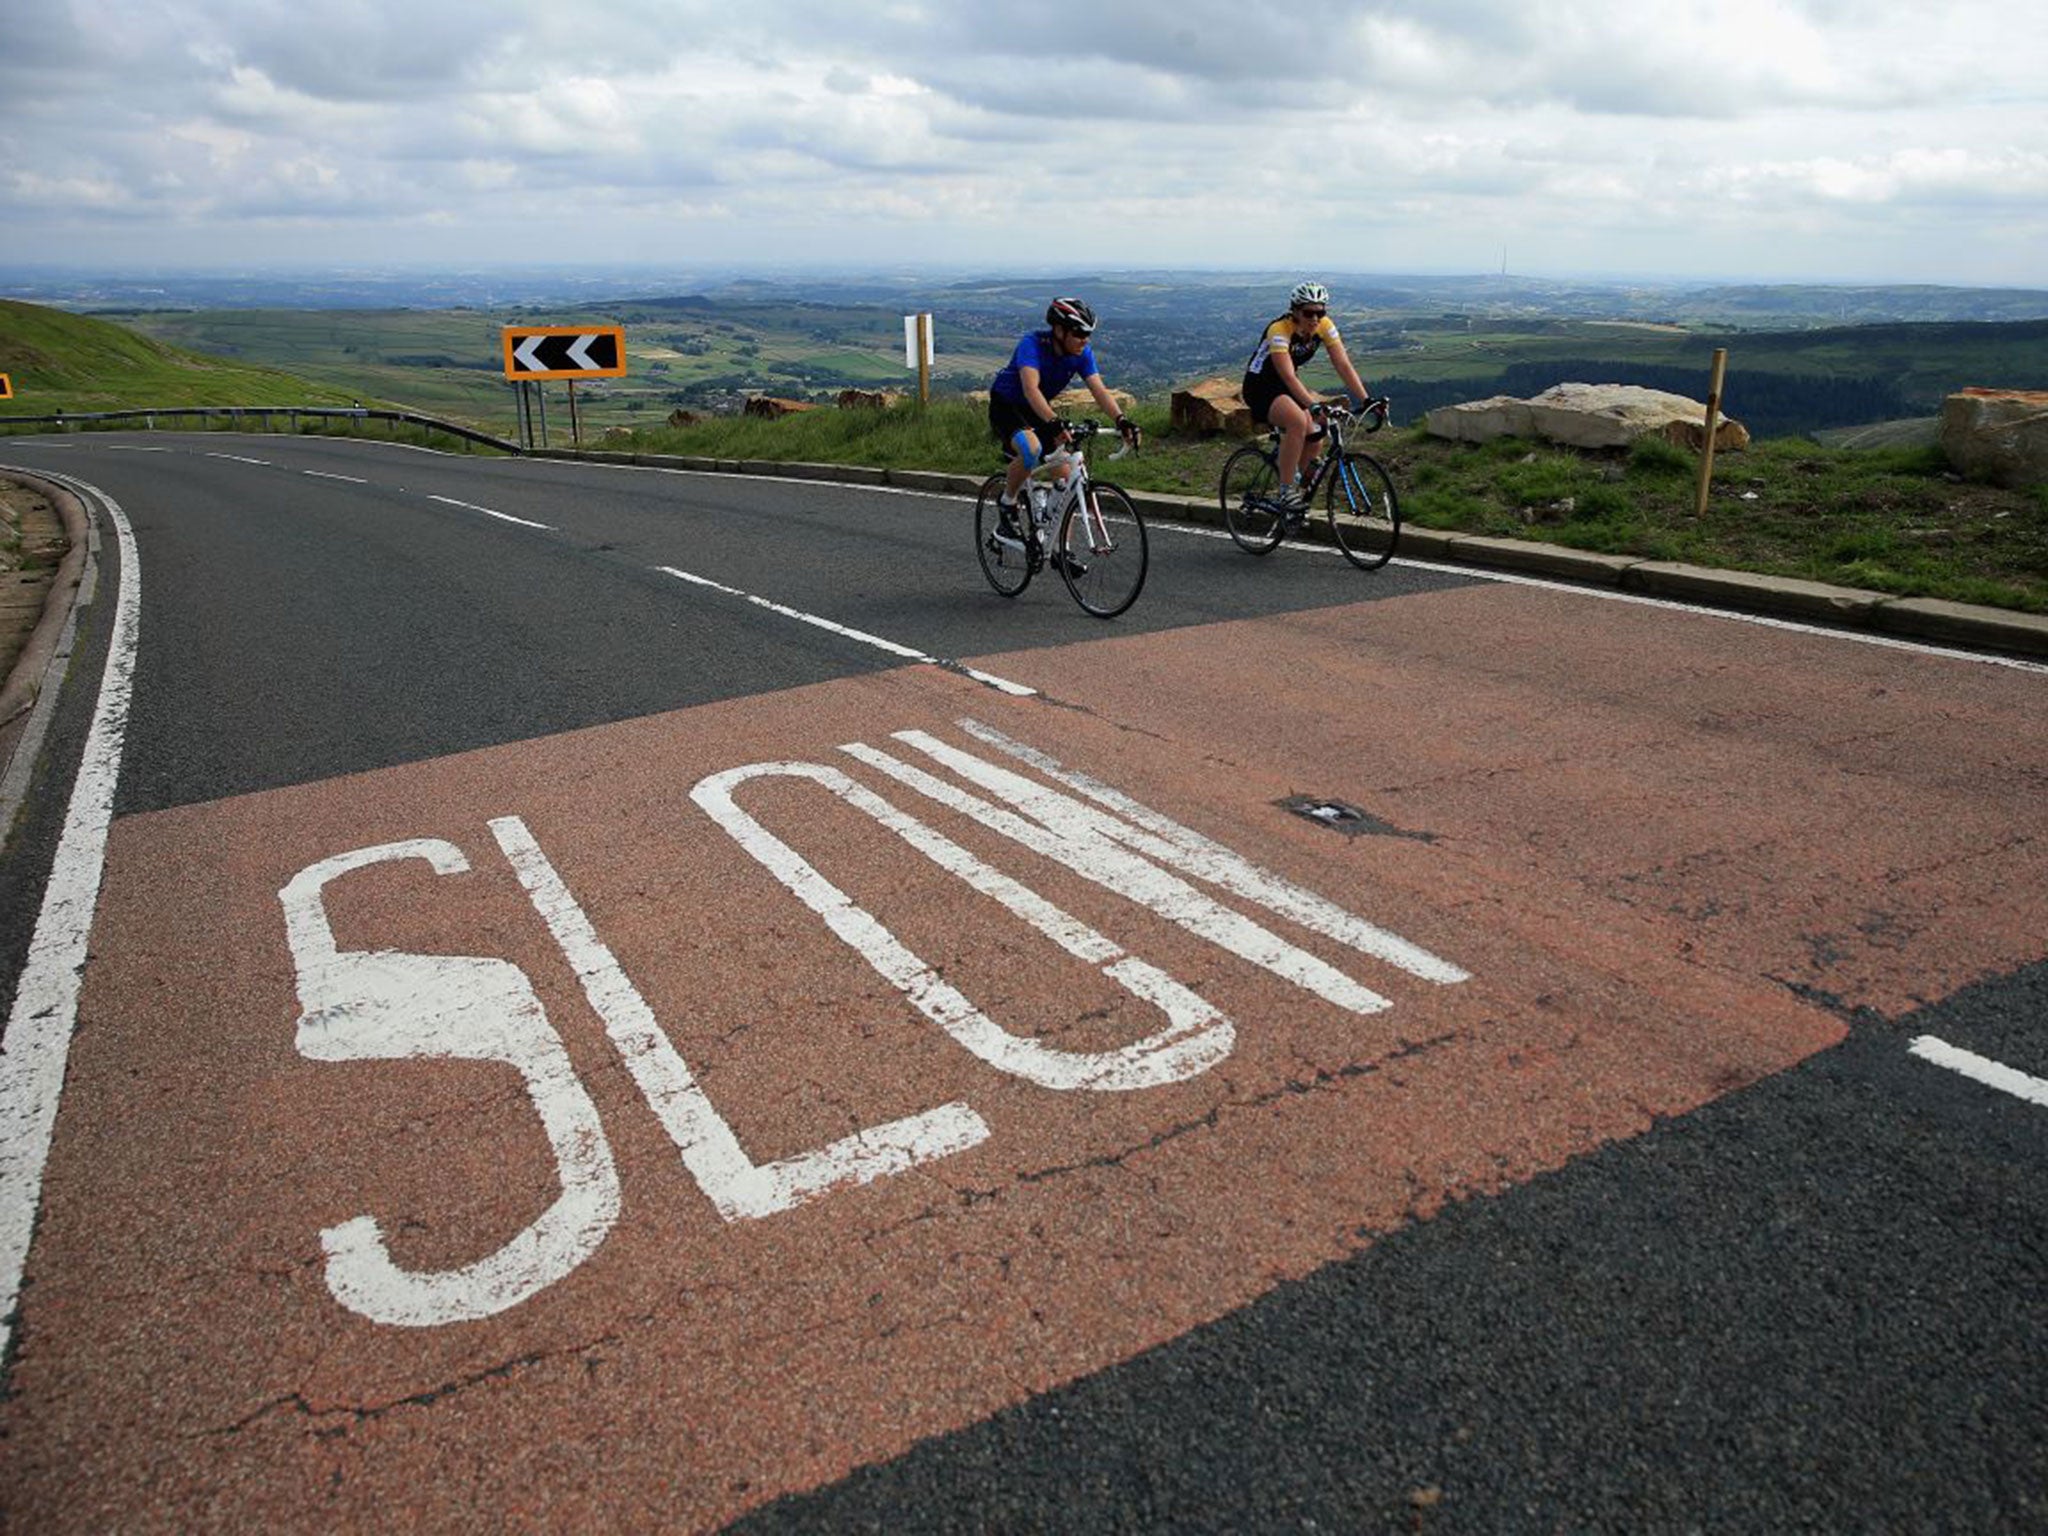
column 1275, row 393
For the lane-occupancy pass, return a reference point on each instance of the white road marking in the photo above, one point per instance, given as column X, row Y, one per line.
column 38, row 1040
column 1982, row 1069
column 241, row 459
column 1159, row 836
column 1051, row 829
column 469, row 506
column 1003, row 685
column 321, row 474
column 738, row 1186
column 1195, row 1037
column 383, row 1005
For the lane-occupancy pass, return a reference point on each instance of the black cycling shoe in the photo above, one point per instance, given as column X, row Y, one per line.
column 1006, row 521
column 1062, row 561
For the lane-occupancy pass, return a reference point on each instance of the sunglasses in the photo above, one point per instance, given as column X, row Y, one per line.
column 1311, row 314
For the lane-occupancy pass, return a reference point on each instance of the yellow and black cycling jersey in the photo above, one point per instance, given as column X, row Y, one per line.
column 1301, row 348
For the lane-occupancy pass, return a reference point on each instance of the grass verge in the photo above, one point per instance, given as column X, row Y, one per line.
column 1891, row 520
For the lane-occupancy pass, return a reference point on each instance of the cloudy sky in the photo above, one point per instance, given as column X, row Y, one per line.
column 1828, row 140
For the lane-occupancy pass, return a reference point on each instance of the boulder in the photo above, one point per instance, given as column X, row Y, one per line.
column 865, row 399
column 1481, row 421
column 1997, row 435
column 1212, row 406
column 683, row 418
column 1588, row 416
column 769, row 406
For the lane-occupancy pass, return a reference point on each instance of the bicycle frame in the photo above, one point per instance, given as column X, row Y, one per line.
column 1074, row 460
column 1088, row 530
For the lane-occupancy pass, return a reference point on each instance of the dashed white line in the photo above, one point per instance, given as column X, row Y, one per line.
column 911, row 653
column 321, row 474
column 470, row 506
column 241, row 459
column 1982, row 1069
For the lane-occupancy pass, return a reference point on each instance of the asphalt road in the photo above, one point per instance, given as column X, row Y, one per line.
column 1648, row 1218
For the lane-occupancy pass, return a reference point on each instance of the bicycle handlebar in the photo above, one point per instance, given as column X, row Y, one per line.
column 1375, row 411
column 1078, row 432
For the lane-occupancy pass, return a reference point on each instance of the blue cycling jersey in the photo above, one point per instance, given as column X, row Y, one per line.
column 1056, row 369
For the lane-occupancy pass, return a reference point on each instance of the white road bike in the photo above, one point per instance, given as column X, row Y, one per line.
column 1086, row 529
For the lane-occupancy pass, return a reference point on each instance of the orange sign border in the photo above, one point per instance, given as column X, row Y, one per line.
column 514, row 334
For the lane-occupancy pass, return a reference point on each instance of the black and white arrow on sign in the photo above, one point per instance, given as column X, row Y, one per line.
column 565, row 352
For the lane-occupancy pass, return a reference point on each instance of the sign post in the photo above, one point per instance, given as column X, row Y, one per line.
column 917, row 352
column 1713, row 426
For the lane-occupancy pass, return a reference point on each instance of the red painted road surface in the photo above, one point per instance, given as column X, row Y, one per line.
column 609, row 1284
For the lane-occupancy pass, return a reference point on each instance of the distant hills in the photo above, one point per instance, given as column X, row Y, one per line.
column 1132, row 292
column 1802, row 359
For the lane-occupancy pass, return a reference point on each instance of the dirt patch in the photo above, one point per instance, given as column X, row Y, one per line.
column 32, row 543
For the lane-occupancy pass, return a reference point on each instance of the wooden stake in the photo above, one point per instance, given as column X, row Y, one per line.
column 1713, row 426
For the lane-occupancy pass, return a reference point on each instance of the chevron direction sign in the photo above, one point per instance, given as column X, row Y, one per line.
column 565, row 352
column 6, row 387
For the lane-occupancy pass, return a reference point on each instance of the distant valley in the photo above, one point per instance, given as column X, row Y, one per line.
column 1802, row 360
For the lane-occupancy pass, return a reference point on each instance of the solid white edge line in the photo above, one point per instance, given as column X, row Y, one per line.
column 847, row 632
column 1982, row 1069
column 470, row 506
column 37, row 1044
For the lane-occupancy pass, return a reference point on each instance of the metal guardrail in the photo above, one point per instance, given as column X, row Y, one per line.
column 240, row 416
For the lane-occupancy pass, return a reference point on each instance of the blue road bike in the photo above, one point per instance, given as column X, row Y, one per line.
column 1357, row 492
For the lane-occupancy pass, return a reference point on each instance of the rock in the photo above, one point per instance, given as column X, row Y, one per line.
column 683, row 418
column 1997, row 435
column 1588, row 416
column 865, row 400
column 769, row 406
column 1212, row 406
column 1481, row 421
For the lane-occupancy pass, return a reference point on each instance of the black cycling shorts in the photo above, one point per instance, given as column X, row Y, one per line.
column 1260, row 390
column 1006, row 418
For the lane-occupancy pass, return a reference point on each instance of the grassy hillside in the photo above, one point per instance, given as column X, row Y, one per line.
column 75, row 363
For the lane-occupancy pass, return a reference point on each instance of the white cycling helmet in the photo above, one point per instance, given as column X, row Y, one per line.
column 1308, row 293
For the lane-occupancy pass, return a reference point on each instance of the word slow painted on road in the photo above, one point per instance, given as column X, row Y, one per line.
column 381, row 1005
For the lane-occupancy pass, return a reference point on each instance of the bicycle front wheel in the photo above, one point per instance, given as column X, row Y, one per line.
column 1004, row 561
column 1103, row 552
column 1365, row 514
column 1249, row 479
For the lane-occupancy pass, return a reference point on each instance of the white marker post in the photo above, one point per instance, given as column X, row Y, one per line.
column 917, row 352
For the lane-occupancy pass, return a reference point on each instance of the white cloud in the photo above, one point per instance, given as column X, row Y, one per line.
column 1628, row 136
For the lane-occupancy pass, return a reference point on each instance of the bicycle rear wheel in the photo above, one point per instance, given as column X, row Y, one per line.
column 1102, row 557
column 1365, row 513
column 1005, row 562
column 1250, row 476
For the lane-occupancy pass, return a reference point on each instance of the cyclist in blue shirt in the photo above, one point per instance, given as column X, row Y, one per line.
column 1020, row 412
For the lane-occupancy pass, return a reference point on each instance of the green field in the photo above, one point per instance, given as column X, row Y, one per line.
column 708, row 355
column 449, row 363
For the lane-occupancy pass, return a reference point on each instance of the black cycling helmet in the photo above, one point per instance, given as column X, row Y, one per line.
column 1071, row 313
